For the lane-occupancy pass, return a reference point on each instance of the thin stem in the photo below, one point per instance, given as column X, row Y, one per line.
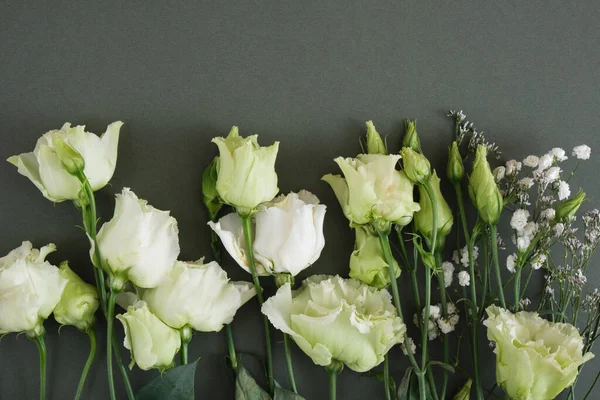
column 484, row 278
column 109, row 335
column 387, row 252
column 122, row 369
column 184, row 352
column 434, row 210
column 592, row 387
column 231, row 346
column 288, row 360
column 332, row 384
column 92, row 335
column 497, row 264
column 247, row 225
column 39, row 340
column 518, row 287
column 386, row 376
column 446, row 355
column 417, row 297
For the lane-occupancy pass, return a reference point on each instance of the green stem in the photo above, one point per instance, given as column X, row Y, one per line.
column 592, row 387
column 446, row 354
column 386, row 376
column 39, row 340
column 247, row 225
column 231, row 346
column 518, row 287
column 387, row 253
column 484, row 278
column 497, row 264
column 109, row 335
column 184, row 352
column 92, row 335
column 417, row 297
column 288, row 360
column 332, row 384
column 434, row 210
column 122, row 369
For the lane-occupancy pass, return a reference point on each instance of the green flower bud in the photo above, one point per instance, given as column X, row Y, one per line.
column 465, row 391
column 456, row 170
column 70, row 158
column 211, row 198
column 367, row 262
column 424, row 217
column 416, row 166
column 427, row 257
column 78, row 303
column 569, row 207
column 375, row 144
column 411, row 138
column 483, row 190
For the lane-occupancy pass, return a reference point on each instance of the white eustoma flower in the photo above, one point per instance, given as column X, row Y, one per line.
column 582, row 152
column 372, row 188
column 448, row 273
column 45, row 170
column 151, row 342
column 535, row 358
column 139, row 244
column 531, row 161
column 199, row 295
column 246, row 174
column 30, row 289
column 463, row 278
column 288, row 234
column 518, row 220
column 335, row 319
column 558, row 153
column 564, row 191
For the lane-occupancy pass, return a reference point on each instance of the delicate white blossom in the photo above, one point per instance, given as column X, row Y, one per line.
column 582, row 152
column 545, row 162
column 448, row 273
column 563, row 190
column 526, row 182
column 531, row 161
column 552, row 174
column 511, row 263
column 463, row 278
column 519, row 219
column 513, row 167
column 499, row 173
column 548, row 214
column 558, row 153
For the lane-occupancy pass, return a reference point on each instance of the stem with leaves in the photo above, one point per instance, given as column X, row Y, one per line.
column 247, row 226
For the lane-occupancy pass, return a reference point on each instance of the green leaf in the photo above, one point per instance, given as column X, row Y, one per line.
column 282, row 394
column 175, row 384
column 447, row 367
column 246, row 387
column 405, row 384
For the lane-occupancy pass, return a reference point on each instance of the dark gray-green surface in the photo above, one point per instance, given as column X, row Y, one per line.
column 306, row 73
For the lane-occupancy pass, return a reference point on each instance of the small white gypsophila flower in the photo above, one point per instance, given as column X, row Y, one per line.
column 538, row 261
column 552, row 174
column 558, row 153
column 463, row 278
column 511, row 263
column 523, row 242
column 524, row 303
column 550, row 290
column 582, row 152
column 531, row 161
column 526, row 182
column 519, row 220
column 530, row 229
column 513, row 167
column 411, row 343
column 548, row 214
column 545, row 162
column 563, row 190
column 451, row 308
column 464, row 255
column 559, row 229
column 432, row 334
column 448, row 268
column 445, row 326
column 434, row 312
column 499, row 173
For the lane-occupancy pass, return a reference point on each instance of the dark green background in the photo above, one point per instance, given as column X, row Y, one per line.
column 306, row 73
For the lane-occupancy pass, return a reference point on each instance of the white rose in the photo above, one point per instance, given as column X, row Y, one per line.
column 140, row 243
column 335, row 319
column 152, row 343
column 199, row 295
column 44, row 168
column 30, row 289
column 288, row 234
column 373, row 188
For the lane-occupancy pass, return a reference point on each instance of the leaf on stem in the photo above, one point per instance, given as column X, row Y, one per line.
column 174, row 384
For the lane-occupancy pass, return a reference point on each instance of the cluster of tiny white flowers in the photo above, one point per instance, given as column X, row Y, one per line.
column 525, row 230
column 582, row 152
column 531, row 161
column 411, row 343
column 463, row 257
column 524, row 303
column 563, row 189
column 463, row 278
column 447, row 324
column 499, row 173
column 437, row 322
column 511, row 263
column 448, row 268
column 476, row 139
column 513, row 167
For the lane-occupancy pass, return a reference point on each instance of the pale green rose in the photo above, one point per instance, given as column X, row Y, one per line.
column 152, row 343
column 483, row 190
column 59, row 153
column 373, row 189
column 367, row 262
column 246, row 174
column 416, row 165
column 424, row 217
column 375, row 144
column 337, row 320
column 535, row 359
column 79, row 301
column 197, row 295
